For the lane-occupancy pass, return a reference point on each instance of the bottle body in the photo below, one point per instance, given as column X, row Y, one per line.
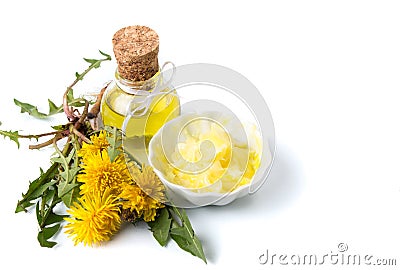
column 149, row 111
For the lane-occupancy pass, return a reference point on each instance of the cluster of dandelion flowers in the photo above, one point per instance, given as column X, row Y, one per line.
column 111, row 190
column 95, row 218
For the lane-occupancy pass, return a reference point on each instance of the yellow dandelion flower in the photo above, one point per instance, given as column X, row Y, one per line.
column 148, row 181
column 99, row 143
column 94, row 219
column 135, row 200
column 99, row 173
column 144, row 200
column 132, row 198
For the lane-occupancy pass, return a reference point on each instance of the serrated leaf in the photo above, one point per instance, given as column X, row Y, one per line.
column 48, row 196
column 59, row 127
column 56, row 160
column 108, row 57
column 44, row 243
column 38, row 215
column 67, row 186
column 91, row 61
column 95, row 63
column 54, row 218
column 70, row 94
column 72, row 172
column 21, row 206
column 115, row 142
column 161, row 226
column 77, row 102
column 33, row 110
column 72, row 101
column 45, row 234
column 12, row 135
column 63, row 188
column 41, row 189
column 78, row 76
column 64, row 161
column 183, row 234
column 30, row 109
column 53, row 108
column 71, row 196
column 32, row 192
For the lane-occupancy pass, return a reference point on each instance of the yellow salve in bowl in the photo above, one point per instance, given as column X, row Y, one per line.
column 222, row 164
column 204, row 157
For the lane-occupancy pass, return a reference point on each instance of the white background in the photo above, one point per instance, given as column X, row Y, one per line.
column 329, row 71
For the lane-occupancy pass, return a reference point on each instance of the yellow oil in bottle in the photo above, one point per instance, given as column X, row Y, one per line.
column 141, row 127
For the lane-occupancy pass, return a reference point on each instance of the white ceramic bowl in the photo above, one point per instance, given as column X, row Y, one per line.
column 165, row 140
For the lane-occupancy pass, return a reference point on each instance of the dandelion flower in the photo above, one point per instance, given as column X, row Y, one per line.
column 137, row 201
column 148, row 181
column 99, row 173
column 99, row 143
column 144, row 195
column 94, row 219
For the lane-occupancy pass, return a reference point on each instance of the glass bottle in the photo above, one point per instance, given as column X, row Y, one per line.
column 148, row 111
column 139, row 101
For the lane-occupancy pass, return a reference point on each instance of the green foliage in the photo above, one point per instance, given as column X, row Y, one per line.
column 74, row 102
column 60, row 127
column 161, row 226
column 71, row 100
column 57, row 184
column 183, row 234
column 174, row 223
column 48, row 221
column 53, row 108
column 67, row 188
column 94, row 63
column 12, row 135
column 15, row 136
column 46, row 233
column 108, row 57
column 115, row 141
column 35, row 189
column 30, row 109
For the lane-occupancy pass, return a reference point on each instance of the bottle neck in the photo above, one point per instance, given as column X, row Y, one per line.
column 137, row 87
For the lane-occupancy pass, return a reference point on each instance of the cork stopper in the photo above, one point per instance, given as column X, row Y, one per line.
column 136, row 51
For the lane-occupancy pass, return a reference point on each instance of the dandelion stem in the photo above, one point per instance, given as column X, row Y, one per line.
column 35, row 136
column 96, row 107
column 83, row 116
column 46, row 143
column 80, row 135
